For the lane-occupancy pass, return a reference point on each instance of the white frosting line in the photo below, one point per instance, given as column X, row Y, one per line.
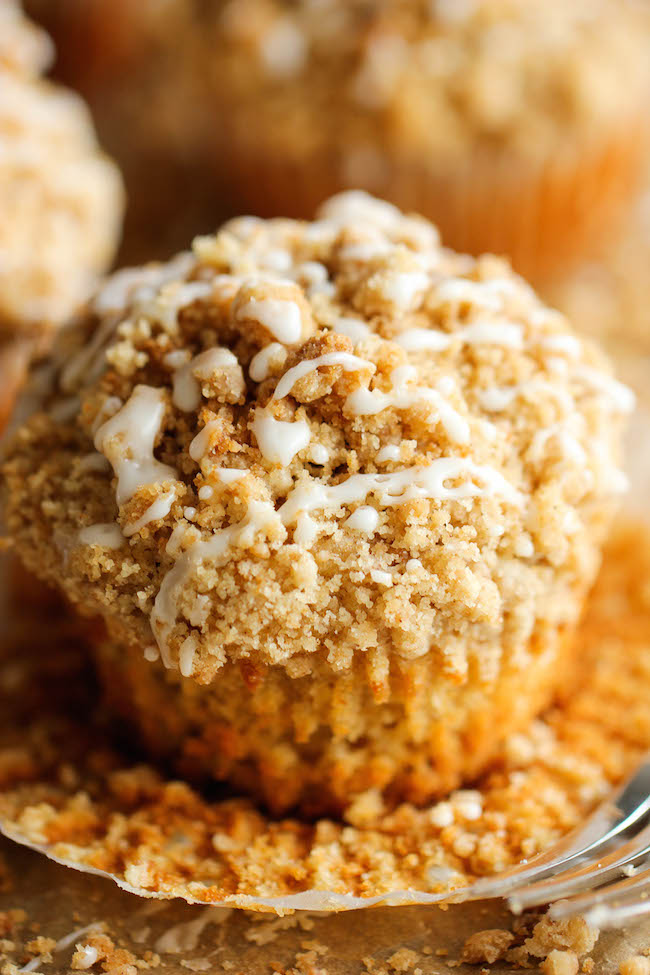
column 160, row 508
column 280, row 316
column 509, row 335
column 390, row 452
column 127, row 441
column 279, row 441
column 365, row 519
column 260, row 366
column 399, row 487
column 319, row 454
column 349, row 362
column 404, row 288
column 365, row 402
column 354, row 328
column 187, row 389
column 227, row 475
column 105, row 535
column 200, row 445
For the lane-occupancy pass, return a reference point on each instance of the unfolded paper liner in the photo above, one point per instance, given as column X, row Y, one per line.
column 68, row 792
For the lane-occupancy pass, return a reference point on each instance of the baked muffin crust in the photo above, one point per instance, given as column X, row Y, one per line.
column 312, row 450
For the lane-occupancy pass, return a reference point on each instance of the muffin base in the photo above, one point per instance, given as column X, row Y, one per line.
column 315, row 743
column 542, row 214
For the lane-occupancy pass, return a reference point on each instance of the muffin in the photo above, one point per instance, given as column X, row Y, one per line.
column 141, row 68
column 60, row 199
column 337, row 494
column 608, row 298
column 516, row 126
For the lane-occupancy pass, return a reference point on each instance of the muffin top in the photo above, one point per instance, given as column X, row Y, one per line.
column 60, row 198
column 433, row 74
column 306, row 441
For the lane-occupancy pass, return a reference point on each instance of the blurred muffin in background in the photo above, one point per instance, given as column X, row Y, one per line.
column 142, row 68
column 516, row 126
column 609, row 298
column 61, row 200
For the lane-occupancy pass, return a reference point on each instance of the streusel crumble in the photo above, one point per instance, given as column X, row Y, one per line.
column 338, row 494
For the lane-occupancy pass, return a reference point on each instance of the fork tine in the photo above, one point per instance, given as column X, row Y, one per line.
column 612, row 820
column 594, row 873
column 627, row 898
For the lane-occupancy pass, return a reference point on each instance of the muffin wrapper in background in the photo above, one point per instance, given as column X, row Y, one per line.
column 545, row 215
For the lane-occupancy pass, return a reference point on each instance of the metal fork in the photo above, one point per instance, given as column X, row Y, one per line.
column 600, row 871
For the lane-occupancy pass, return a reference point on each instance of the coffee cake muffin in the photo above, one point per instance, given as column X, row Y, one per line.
column 337, row 493
column 516, row 126
column 60, row 198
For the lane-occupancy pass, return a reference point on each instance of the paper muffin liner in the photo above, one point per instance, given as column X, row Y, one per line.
column 297, row 743
column 70, row 791
column 15, row 356
column 545, row 214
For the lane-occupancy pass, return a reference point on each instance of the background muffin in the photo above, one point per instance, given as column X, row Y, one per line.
column 516, row 126
column 60, row 199
column 337, row 493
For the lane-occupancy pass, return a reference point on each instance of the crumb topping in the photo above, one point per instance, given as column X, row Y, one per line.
column 330, row 436
column 60, row 198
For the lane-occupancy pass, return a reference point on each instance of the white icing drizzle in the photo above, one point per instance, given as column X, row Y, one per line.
column 423, row 338
column 106, row 535
column 319, row 454
column 621, row 397
column 499, row 398
column 506, row 334
column 399, row 487
column 261, row 515
column 487, row 295
column 127, row 441
column 404, row 288
column 260, row 367
column 354, row 328
column 227, row 475
column 365, row 519
column 568, row 344
column 160, row 508
column 391, row 451
column 200, row 445
column 349, row 362
column 365, row 402
column 167, row 304
column 280, row 316
column 569, row 445
column 381, row 578
column 279, row 441
column 187, row 389
column 139, row 283
column 186, row 655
